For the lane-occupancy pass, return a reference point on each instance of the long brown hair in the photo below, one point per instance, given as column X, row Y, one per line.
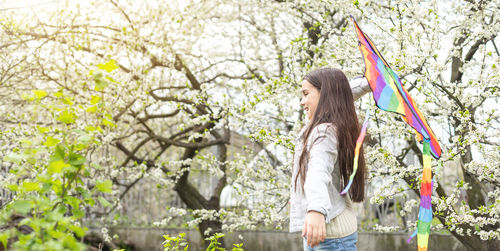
column 336, row 106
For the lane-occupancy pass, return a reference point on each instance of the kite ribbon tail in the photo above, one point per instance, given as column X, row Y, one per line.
column 425, row 210
column 412, row 235
column 416, row 230
column 359, row 142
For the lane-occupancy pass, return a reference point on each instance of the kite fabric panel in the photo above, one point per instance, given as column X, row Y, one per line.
column 388, row 92
column 390, row 95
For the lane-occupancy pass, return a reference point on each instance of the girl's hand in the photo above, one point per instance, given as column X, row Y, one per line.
column 314, row 228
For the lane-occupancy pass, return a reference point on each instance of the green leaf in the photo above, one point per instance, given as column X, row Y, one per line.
column 108, row 66
column 104, row 202
column 95, row 99
column 76, row 159
column 58, row 94
column 107, row 122
column 111, row 79
column 104, row 186
column 57, row 186
column 54, row 216
column 22, row 206
column 67, row 117
column 79, row 231
column 3, row 239
column 90, row 128
column 78, row 213
column 72, row 201
column 40, row 93
column 79, row 147
column 91, row 109
column 56, row 166
column 13, row 187
column 67, row 100
column 90, row 201
column 31, row 186
column 59, row 153
column 51, row 141
column 84, row 192
column 55, row 234
column 100, row 85
column 42, row 129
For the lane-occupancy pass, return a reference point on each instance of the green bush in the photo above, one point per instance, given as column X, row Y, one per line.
column 50, row 176
column 179, row 243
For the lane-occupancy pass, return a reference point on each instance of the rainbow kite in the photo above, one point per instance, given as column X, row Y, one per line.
column 390, row 95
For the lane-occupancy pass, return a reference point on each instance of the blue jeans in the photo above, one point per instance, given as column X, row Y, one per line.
column 347, row 243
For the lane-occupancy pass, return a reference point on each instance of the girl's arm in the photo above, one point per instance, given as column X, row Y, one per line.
column 323, row 154
column 359, row 87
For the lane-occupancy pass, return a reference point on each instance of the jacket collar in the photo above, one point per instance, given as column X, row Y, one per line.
column 300, row 135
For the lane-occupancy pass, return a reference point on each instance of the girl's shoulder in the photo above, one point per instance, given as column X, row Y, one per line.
column 324, row 132
column 323, row 129
column 319, row 131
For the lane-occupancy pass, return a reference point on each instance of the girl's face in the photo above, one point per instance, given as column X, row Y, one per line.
column 310, row 98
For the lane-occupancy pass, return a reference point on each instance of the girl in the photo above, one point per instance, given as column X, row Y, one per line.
column 323, row 162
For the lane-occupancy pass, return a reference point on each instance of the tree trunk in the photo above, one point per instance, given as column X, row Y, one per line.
column 215, row 227
column 475, row 196
column 191, row 196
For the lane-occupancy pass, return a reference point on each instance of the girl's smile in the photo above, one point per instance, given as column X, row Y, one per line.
column 310, row 98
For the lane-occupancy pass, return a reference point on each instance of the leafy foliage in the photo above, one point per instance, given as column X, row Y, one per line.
column 51, row 198
column 179, row 243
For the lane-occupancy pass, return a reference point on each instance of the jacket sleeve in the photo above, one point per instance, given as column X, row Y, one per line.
column 359, row 87
column 322, row 157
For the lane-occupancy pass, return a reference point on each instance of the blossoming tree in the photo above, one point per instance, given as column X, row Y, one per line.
column 116, row 91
